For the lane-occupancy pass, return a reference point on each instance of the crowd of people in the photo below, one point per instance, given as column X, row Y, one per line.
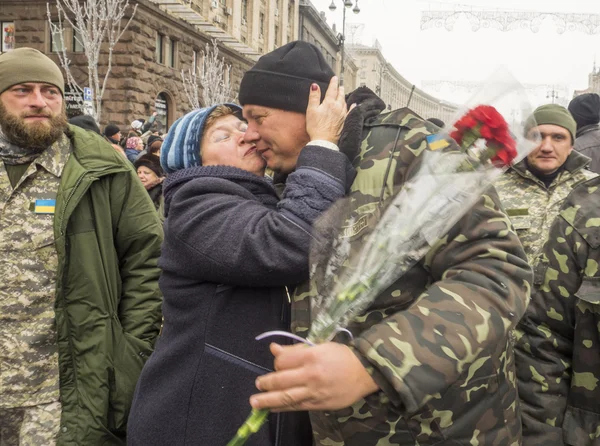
column 138, row 268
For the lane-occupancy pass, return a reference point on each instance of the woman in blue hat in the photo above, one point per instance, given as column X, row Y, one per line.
column 232, row 250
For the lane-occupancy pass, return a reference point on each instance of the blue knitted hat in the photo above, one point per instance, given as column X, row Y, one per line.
column 181, row 148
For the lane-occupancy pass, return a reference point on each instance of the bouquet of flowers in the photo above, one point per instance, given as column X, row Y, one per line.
column 446, row 185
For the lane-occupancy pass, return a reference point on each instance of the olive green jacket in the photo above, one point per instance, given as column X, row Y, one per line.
column 108, row 238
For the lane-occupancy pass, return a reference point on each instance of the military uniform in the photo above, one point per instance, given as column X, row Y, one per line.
column 81, row 312
column 28, row 347
column 531, row 205
column 437, row 341
column 558, row 340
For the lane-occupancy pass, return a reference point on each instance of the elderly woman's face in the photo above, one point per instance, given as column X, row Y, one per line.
column 223, row 144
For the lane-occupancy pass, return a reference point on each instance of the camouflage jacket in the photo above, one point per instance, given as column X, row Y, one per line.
column 558, row 340
column 436, row 342
column 28, row 348
column 531, row 206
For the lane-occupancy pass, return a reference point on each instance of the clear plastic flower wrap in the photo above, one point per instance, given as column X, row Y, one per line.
column 449, row 176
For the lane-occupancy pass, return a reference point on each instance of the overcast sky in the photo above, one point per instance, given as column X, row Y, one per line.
column 545, row 57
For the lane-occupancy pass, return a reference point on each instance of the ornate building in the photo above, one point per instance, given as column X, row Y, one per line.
column 395, row 90
column 593, row 83
column 164, row 38
column 314, row 29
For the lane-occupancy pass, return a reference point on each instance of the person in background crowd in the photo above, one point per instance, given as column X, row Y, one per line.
column 558, row 339
column 437, row 122
column 231, row 249
column 79, row 242
column 155, row 147
column 113, row 136
column 85, row 122
column 135, row 130
column 134, row 148
column 148, row 126
column 151, row 139
column 432, row 360
column 151, row 175
column 586, row 112
column 112, row 133
column 533, row 190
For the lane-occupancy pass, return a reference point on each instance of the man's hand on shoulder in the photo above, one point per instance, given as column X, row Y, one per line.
column 325, row 377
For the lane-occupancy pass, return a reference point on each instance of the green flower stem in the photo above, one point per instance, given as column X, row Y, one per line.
column 251, row 426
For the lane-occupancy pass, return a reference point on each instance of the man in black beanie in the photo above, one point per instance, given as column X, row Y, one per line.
column 586, row 112
column 414, row 351
column 112, row 133
column 275, row 94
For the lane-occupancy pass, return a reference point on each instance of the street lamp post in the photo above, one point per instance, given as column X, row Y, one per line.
column 342, row 36
column 552, row 94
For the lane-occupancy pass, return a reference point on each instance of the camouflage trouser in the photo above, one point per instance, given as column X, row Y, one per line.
column 30, row 426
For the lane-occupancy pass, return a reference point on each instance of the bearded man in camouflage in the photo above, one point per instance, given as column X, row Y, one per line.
column 533, row 190
column 431, row 361
column 558, row 344
column 79, row 243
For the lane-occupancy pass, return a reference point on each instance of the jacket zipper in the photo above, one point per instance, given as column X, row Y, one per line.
column 64, row 275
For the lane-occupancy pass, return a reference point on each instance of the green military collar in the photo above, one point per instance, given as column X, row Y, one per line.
column 574, row 163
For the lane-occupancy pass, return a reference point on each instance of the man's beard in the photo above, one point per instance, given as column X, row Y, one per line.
column 35, row 135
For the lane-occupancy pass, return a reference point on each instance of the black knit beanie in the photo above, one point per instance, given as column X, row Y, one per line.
column 282, row 78
column 585, row 109
column 111, row 130
column 85, row 122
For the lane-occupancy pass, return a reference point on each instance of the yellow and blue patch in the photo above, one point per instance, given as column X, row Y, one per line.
column 44, row 206
column 437, row 141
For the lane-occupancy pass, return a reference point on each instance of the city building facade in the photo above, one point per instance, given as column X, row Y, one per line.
column 593, row 83
column 396, row 91
column 163, row 39
column 313, row 28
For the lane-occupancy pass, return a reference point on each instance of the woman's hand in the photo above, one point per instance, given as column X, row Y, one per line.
column 325, row 120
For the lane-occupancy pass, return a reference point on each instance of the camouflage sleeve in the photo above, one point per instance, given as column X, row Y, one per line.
column 545, row 337
column 137, row 237
column 481, row 286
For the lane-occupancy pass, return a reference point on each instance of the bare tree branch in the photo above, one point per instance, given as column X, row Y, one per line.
column 94, row 23
column 213, row 76
column 191, row 87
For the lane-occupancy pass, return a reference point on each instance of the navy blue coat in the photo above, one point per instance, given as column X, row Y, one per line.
column 231, row 247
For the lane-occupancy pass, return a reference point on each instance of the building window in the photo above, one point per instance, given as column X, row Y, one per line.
column 363, row 74
column 276, row 35
column 77, row 45
column 168, row 52
column 159, row 48
column 56, row 40
column 261, row 24
column 8, row 36
column 244, row 11
column 194, row 61
column 363, row 63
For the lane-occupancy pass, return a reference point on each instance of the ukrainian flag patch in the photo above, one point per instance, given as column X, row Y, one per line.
column 437, row 142
column 44, row 206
